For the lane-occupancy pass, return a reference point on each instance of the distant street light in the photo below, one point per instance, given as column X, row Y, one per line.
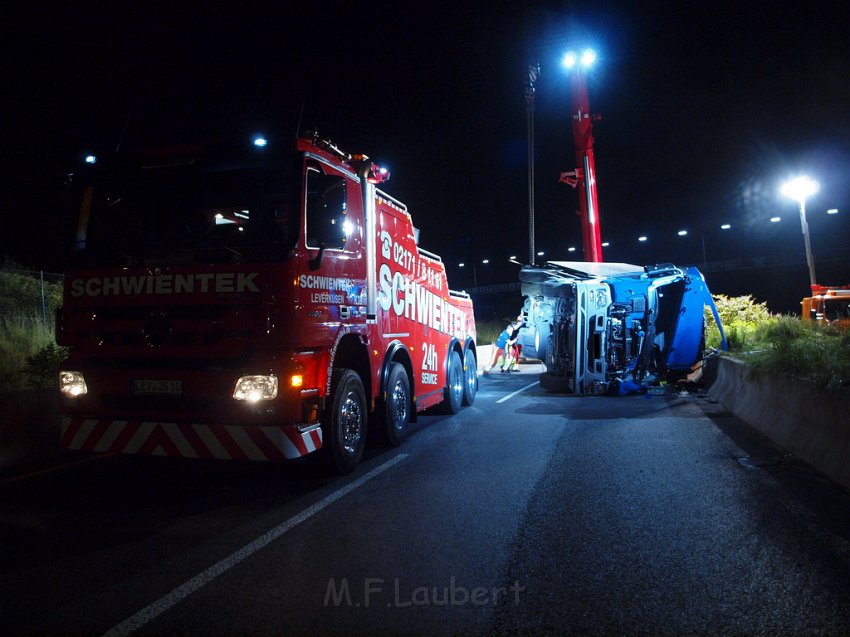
column 800, row 189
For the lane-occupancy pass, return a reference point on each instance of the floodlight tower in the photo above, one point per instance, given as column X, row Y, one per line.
column 583, row 178
column 799, row 190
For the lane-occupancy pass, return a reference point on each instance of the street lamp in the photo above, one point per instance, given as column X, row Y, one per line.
column 800, row 189
column 530, row 80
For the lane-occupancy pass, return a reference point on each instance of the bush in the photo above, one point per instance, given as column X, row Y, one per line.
column 26, row 336
column 741, row 317
column 20, row 338
column 488, row 331
column 42, row 368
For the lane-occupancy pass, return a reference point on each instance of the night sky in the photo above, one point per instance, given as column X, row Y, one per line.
column 706, row 108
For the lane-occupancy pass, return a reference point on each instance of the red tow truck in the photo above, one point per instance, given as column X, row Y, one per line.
column 251, row 302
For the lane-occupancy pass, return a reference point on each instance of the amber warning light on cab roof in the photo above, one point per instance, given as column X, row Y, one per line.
column 375, row 174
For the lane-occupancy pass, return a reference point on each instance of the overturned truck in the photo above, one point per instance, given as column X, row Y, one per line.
column 614, row 327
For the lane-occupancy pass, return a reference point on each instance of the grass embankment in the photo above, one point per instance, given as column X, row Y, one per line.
column 783, row 346
column 29, row 356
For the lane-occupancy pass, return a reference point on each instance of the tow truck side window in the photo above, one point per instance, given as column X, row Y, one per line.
column 327, row 210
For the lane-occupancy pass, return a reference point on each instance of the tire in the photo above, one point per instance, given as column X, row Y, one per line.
column 532, row 274
column 557, row 289
column 556, row 384
column 543, row 341
column 397, row 406
column 470, row 377
column 453, row 391
column 344, row 421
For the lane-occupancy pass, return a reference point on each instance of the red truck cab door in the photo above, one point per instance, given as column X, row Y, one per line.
column 332, row 280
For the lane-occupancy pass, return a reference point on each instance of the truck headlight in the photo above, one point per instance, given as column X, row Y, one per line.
column 256, row 388
column 72, row 384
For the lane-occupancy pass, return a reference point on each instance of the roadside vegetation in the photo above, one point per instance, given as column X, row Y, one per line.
column 29, row 356
column 780, row 345
column 488, row 331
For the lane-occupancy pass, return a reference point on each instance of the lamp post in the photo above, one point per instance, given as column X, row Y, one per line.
column 530, row 80
column 800, row 189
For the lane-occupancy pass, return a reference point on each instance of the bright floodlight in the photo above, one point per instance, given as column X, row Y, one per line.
column 91, row 159
column 726, row 226
column 588, row 57
column 260, row 141
column 642, row 238
column 800, row 188
column 682, row 233
column 775, row 219
column 832, row 211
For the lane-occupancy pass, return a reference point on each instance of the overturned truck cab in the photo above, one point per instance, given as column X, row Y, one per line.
column 614, row 327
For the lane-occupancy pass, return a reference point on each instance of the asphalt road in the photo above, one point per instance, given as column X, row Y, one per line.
column 526, row 514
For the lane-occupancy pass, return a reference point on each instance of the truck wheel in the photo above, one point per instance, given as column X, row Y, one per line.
column 470, row 377
column 531, row 274
column 397, row 405
column 453, row 392
column 543, row 341
column 345, row 420
column 556, row 384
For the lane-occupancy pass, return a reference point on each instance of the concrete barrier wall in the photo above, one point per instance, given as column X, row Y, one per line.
column 485, row 353
column 812, row 424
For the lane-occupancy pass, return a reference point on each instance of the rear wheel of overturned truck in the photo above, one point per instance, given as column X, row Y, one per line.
column 344, row 421
column 557, row 384
column 397, row 406
column 543, row 341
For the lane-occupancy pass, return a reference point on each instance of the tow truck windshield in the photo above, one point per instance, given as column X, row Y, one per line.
column 181, row 209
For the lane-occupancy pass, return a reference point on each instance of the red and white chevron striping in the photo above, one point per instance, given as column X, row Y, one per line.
column 224, row 442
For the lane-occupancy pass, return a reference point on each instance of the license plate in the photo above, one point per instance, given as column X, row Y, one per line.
column 151, row 386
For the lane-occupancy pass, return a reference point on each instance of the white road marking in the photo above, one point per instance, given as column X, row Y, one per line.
column 518, row 391
column 146, row 615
